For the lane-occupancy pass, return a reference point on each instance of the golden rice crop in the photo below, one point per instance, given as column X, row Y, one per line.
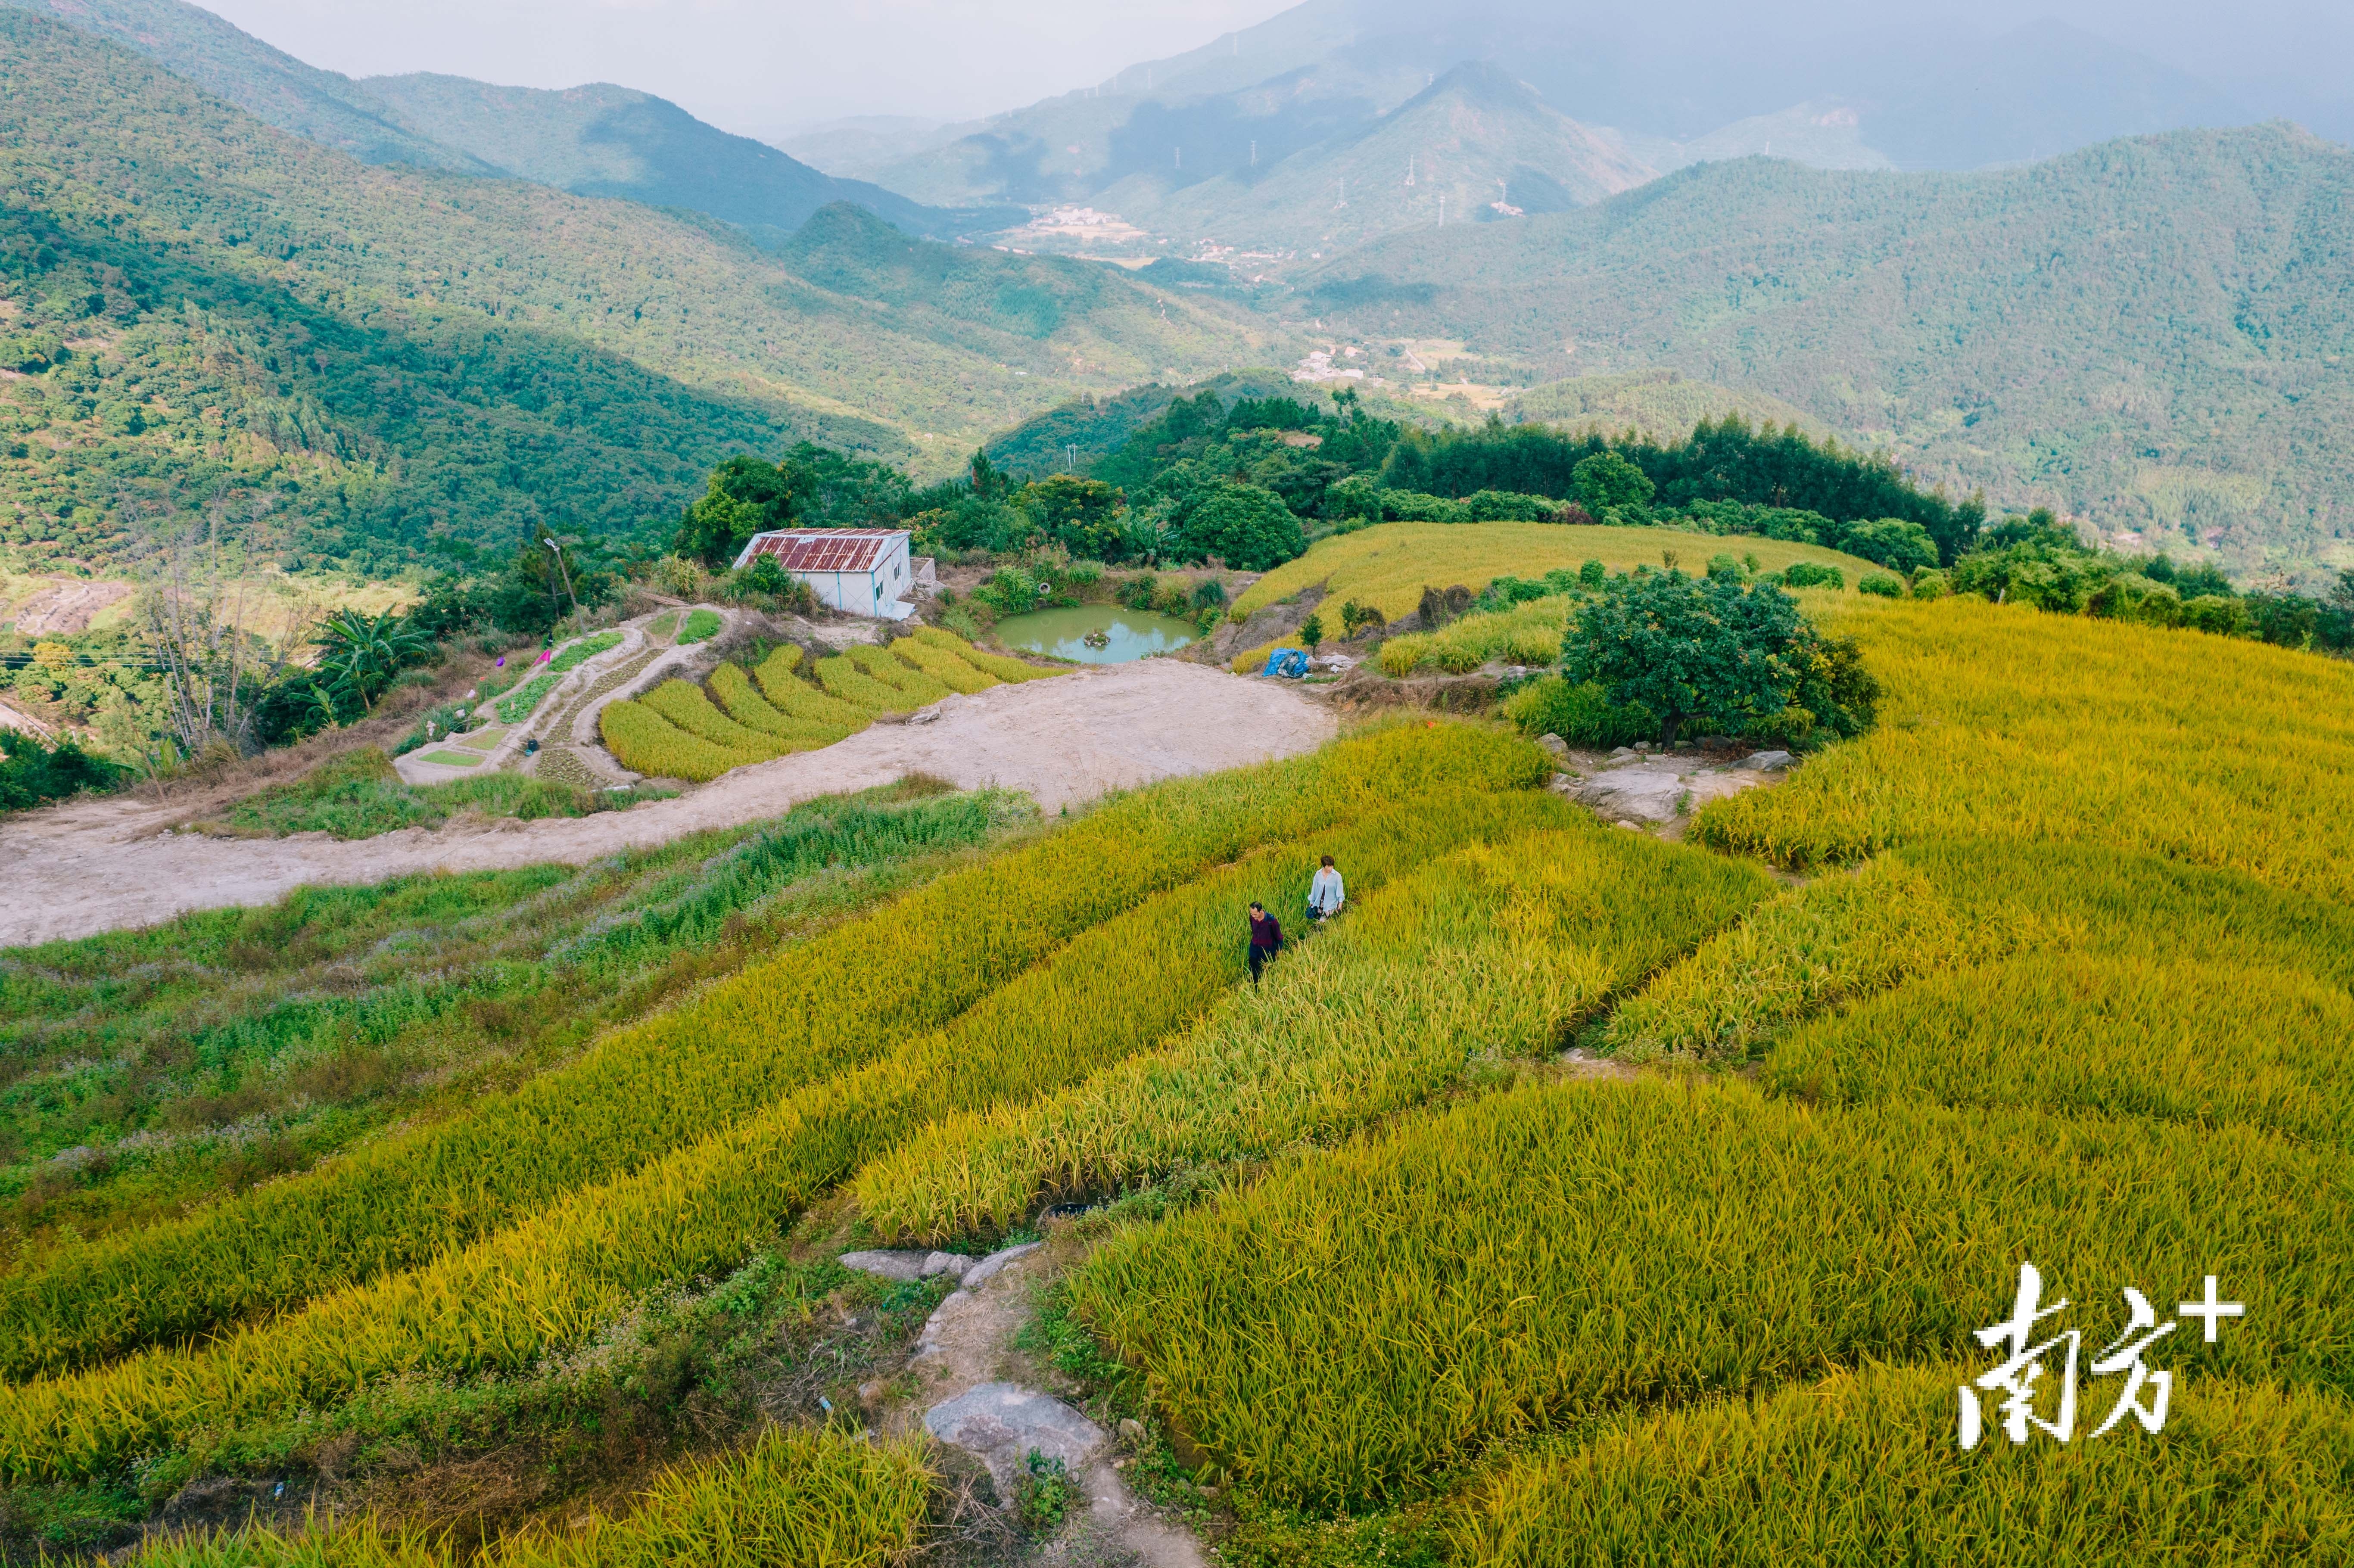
column 943, row 666
column 519, row 1292
column 996, row 664
column 2179, row 1040
column 899, row 674
column 1362, row 1319
column 645, row 742
column 1526, row 633
column 1861, row 1469
column 1389, row 565
column 2002, row 722
column 844, row 997
column 1809, row 947
column 796, row 698
column 683, row 703
column 1495, row 950
column 744, row 705
column 805, row 1500
column 843, row 679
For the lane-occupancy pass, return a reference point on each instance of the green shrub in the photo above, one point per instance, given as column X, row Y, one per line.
column 1929, row 585
column 1813, row 574
column 1880, row 585
column 1896, row 543
column 1581, row 714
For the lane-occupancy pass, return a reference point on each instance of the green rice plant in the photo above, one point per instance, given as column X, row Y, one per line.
column 683, row 703
column 1806, row 949
column 701, row 626
column 1361, row 1321
column 997, row 664
column 902, row 677
column 1528, row 633
column 944, row 666
column 800, row 1500
column 796, row 698
column 734, row 1047
column 842, row 679
column 2002, row 722
column 1495, row 951
column 2177, row 1040
column 645, row 742
column 744, row 705
column 550, row 1277
column 1861, row 1469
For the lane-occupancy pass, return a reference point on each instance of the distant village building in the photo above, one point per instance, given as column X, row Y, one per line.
column 860, row 571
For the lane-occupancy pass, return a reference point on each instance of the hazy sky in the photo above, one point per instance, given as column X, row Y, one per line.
column 761, row 68
column 756, row 68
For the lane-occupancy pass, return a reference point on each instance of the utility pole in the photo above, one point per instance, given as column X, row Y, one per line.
column 559, row 549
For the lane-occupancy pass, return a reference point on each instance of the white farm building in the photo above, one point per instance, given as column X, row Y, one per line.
column 861, row 571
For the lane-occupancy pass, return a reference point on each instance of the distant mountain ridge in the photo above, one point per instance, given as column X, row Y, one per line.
column 1181, row 145
column 598, row 140
column 2153, row 333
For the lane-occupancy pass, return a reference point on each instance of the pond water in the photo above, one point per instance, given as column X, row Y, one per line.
column 1129, row 633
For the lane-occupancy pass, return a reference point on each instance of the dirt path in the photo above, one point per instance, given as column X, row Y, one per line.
column 97, row 866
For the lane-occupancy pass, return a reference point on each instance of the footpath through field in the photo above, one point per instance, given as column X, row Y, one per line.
column 96, row 865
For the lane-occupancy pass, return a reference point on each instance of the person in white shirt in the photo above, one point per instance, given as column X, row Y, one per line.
column 1324, row 894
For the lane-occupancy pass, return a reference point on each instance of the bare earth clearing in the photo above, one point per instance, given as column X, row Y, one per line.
column 92, row 866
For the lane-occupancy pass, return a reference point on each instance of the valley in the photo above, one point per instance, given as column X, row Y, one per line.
column 1417, row 788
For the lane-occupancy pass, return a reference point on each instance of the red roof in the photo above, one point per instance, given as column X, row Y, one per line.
column 825, row 549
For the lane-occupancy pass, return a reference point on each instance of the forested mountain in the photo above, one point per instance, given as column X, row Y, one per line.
column 200, row 315
column 2153, row 333
column 598, row 140
column 607, row 141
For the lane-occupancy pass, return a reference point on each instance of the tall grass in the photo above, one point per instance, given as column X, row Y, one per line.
column 1388, row 567
column 997, row 664
column 831, row 1004
column 1494, row 952
column 555, row 1274
column 1527, row 633
column 585, row 940
column 1861, row 1469
column 944, row 666
column 358, row 796
column 684, row 706
column 645, row 742
column 747, row 706
column 797, row 699
column 2004, row 723
column 2181, row 1040
column 1362, row 1321
column 905, row 677
column 821, row 1499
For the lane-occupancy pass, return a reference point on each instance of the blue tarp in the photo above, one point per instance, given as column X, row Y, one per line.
column 1288, row 663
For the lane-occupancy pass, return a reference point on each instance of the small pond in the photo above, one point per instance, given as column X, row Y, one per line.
column 1129, row 633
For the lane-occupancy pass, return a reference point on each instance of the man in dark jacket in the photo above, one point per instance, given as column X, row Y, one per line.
column 1266, row 937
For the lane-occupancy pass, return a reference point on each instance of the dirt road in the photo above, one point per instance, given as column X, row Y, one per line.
column 97, row 865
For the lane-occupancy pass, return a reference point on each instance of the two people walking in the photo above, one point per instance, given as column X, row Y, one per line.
column 1325, row 898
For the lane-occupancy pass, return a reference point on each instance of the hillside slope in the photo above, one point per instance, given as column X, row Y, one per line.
column 322, row 106
column 2149, row 332
column 189, row 292
column 607, row 141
